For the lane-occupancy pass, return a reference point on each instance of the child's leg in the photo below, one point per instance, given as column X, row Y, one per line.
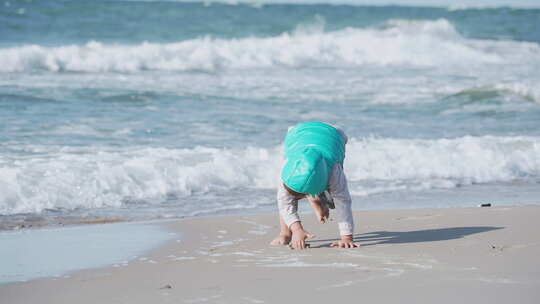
column 321, row 210
column 285, row 234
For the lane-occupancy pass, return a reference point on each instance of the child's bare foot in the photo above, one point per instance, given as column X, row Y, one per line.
column 321, row 210
column 285, row 239
column 281, row 240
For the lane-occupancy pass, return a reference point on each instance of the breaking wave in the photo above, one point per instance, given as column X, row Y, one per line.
column 397, row 42
column 91, row 178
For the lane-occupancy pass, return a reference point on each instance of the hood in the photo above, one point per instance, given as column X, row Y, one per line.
column 306, row 172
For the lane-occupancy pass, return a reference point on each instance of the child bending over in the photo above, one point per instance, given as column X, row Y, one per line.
column 314, row 153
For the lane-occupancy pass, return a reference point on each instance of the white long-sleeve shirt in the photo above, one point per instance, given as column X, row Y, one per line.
column 288, row 204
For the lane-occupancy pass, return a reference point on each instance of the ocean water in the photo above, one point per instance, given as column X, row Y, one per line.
column 148, row 109
column 58, row 252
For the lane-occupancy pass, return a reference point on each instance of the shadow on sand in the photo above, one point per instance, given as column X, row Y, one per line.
column 395, row 237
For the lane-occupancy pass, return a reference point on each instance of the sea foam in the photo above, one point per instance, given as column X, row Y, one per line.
column 397, row 42
column 94, row 178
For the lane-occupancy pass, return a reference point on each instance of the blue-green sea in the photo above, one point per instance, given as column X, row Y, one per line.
column 149, row 109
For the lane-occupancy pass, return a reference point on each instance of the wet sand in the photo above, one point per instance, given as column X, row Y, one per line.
column 470, row 255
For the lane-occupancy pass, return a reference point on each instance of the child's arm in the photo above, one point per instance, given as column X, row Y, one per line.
column 289, row 219
column 342, row 199
column 287, row 205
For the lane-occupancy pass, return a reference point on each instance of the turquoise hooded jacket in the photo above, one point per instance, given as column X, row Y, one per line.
column 311, row 149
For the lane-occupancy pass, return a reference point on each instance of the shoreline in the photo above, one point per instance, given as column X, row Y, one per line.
column 53, row 252
column 37, row 221
column 488, row 254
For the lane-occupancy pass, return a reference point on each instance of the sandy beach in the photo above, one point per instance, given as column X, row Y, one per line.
column 145, row 145
column 468, row 255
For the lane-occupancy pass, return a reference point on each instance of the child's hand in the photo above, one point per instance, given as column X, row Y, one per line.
column 299, row 236
column 299, row 239
column 345, row 242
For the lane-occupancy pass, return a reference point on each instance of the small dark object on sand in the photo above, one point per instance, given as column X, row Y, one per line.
column 166, row 287
column 485, row 205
